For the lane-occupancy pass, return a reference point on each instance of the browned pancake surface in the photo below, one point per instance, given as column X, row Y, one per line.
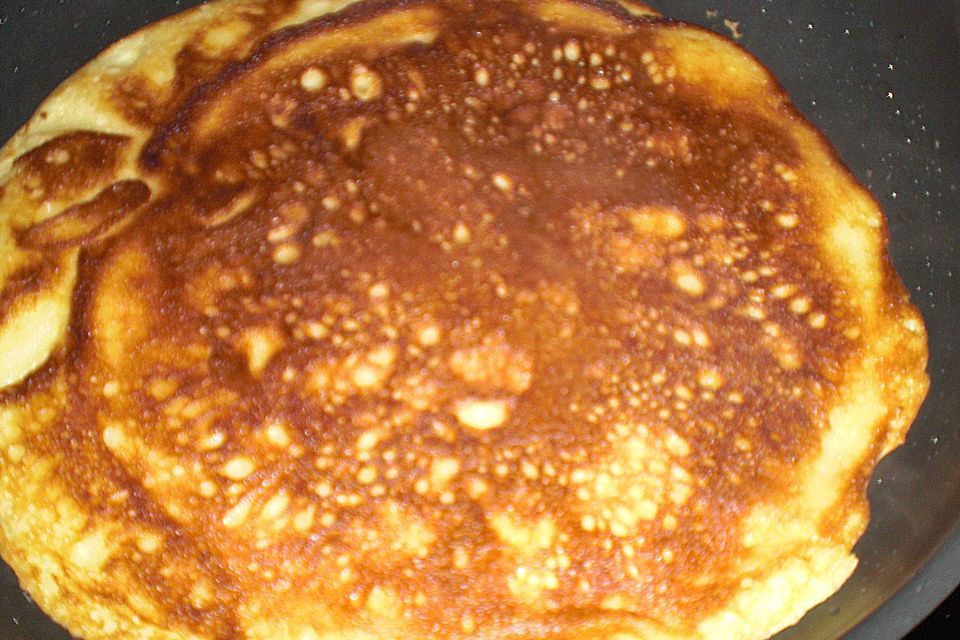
column 514, row 328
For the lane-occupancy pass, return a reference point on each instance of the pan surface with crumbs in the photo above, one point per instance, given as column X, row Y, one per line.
column 562, row 309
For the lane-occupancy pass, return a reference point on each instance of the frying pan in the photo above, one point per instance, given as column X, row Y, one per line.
column 882, row 79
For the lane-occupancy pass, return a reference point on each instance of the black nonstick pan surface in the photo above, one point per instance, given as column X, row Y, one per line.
column 882, row 79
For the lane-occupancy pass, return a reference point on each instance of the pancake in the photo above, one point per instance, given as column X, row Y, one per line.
column 425, row 319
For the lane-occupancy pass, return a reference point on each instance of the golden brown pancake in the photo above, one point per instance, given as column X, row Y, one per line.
column 438, row 319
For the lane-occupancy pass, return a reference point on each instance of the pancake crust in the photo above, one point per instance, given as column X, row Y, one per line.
column 438, row 319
